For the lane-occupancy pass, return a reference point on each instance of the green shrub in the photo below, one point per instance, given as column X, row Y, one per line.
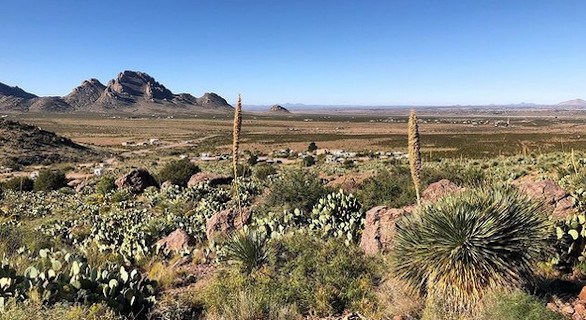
column 517, row 305
column 243, row 170
column 178, row 172
column 252, row 160
column 18, row 184
column 393, row 189
column 297, row 188
column 263, row 171
column 327, row 279
column 34, row 311
column 308, row 161
column 312, row 147
column 106, row 185
column 468, row 244
column 460, row 174
column 50, row 180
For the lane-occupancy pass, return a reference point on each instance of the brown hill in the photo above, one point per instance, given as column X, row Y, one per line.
column 26, row 145
column 278, row 109
column 573, row 103
column 130, row 91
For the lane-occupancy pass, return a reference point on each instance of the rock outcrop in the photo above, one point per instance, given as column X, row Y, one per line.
column 86, row 94
column 379, row 225
column 278, row 109
column 177, row 240
column 558, row 201
column 227, row 221
column 211, row 178
column 137, row 180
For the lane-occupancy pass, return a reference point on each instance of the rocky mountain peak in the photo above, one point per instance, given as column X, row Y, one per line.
column 17, row 92
column 278, row 109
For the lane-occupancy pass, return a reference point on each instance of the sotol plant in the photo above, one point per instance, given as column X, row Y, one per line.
column 414, row 148
column 465, row 245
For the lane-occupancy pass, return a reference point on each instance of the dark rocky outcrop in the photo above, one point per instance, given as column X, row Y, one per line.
column 15, row 92
column 211, row 178
column 278, row 109
column 137, row 180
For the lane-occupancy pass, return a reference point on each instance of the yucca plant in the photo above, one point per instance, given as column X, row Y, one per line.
column 466, row 245
column 246, row 248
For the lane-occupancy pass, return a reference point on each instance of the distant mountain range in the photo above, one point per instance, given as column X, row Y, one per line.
column 130, row 91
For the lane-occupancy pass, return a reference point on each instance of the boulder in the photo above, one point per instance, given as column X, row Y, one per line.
column 74, row 183
column 176, row 241
column 557, row 199
column 167, row 184
column 222, row 223
column 137, row 180
column 212, row 178
column 79, row 188
column 439, row 189
column 379, row 225
column 379, row 229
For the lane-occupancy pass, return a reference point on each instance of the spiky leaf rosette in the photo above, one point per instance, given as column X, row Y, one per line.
column 247, row 248
column 464, row 245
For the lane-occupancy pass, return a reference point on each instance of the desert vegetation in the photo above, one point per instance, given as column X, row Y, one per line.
column 406, row 237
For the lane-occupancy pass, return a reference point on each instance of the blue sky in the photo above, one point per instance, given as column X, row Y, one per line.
column 366, row 52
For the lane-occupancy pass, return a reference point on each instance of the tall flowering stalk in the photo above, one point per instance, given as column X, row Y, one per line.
column 235, row 148
column 236, row 135
column 414, row 153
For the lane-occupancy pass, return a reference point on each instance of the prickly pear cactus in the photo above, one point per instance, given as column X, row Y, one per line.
column 338, row 215
column 570, row 242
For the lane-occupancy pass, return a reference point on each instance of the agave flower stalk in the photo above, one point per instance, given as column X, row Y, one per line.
column 236, row 135
column 414, row 153
column 235, row 148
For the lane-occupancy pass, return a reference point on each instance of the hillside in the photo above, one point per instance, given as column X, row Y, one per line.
column 278, row 109
column 130, row 91
column 573, row 103
column 26, row 145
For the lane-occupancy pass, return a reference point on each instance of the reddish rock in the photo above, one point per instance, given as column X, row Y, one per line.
column 166, row 184
column 567, row 309
column 176, row 241
column 74, row 183
column 439, row 189
column 379, row 225
column 379, row 229
column 557, row 199
column 81, row 186
column 227, row 221
column 212, row 178
column 137, row 180
column 580, row 310
column 582, row 295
